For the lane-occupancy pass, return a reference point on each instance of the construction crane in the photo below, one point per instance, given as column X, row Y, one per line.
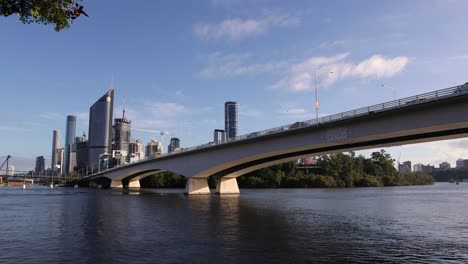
column 162, row 133
column 5, row 162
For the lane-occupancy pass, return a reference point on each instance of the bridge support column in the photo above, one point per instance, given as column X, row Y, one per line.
column 227, row 186
column 197, row 186
column 116, row 184
column 134, row 184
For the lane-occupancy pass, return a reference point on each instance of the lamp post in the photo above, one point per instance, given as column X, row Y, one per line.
column 317, row 103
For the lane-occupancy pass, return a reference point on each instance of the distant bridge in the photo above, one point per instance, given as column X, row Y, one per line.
column 437, row 115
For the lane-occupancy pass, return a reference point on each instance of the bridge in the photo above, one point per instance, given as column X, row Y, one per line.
column 438, row 115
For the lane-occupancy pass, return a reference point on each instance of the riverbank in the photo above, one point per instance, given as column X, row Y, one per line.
column 337, row 170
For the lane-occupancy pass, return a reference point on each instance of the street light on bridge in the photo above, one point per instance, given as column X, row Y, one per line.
column 317, row 103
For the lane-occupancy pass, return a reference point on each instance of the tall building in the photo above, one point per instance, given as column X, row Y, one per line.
column 55, row 147
column 135, row 151
column 153, row 147
column 40, row 165
column 444, row 165
column 136, row 147
column 405, row 167
column 70, row 133
column 59, row 166
column 100, row 127
column 230, row 119
column 408, row 164
column 219, row 136
column 424, row 168
column 122, row 128
column 173, row 145
column 82, row 153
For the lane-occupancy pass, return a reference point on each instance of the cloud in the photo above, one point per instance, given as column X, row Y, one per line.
column 331, row 44
column 237, row 28
column 295, row 111
column 155, row 115
column 249, row 112
column 459, row 57
column 53, row 116
column 236, row 64
column 165, row 109
column 331, row 69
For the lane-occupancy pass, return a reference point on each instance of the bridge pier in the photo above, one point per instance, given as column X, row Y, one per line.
column 134, row 184
column 116, row 184
column 197, row 186
column 227, row 186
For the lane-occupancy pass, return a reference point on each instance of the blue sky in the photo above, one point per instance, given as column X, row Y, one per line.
column 177, row 62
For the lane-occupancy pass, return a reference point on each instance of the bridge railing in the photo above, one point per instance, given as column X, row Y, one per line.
column 403, row 102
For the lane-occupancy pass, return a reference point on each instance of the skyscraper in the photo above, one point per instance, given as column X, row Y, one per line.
column 55, row 147
column 122, row 128
column 173, row 145
column 69, row 138
column 40, row 165
column 82, row 153
column 100, row 127
column 230, row 119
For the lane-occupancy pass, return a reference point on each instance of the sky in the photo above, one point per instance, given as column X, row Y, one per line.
column 177, row 62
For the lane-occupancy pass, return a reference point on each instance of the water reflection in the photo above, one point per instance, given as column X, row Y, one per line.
column 158, row 226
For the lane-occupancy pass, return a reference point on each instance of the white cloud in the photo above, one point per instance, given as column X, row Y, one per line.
column 235, row 64
column 459, row 57
column 165, row 109
column 331, row 69
column 296, row 111
column 53, row 116
column 331, row 44
column 155, row 115
column 237, row 28
column 251, row 113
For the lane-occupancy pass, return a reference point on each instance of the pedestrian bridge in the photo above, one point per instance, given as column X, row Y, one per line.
column 438, row 115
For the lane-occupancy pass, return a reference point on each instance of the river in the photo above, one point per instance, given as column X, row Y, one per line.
column 418, row 224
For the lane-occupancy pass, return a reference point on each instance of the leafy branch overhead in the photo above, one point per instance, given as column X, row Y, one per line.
column 58, row 12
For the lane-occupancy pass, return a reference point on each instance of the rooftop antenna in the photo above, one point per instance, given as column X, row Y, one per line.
column 123, row 108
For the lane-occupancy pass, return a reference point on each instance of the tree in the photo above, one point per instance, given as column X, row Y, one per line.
column 58, row 12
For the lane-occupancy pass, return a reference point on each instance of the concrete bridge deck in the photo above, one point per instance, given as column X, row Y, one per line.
column 437, row 115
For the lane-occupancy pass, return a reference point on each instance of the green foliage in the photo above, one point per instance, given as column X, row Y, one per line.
column 58, row 12
column 163, row 180
column 337, row 170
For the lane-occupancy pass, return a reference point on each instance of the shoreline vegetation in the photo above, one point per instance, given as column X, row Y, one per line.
column 340, row 170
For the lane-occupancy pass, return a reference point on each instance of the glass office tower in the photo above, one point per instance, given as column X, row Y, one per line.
column 100, row 127
column 230, row 119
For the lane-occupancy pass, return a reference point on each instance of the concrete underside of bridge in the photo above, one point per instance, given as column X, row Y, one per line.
column 429, row 121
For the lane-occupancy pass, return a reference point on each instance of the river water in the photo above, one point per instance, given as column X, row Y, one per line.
column 420, row 224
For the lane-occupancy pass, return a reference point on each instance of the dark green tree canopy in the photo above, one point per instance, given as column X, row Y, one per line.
column 58, row 12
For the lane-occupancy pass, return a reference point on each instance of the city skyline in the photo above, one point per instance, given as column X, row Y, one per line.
column 261, row 55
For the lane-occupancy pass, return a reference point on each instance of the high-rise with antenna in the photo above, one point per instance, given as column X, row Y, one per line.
column 122, row 128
